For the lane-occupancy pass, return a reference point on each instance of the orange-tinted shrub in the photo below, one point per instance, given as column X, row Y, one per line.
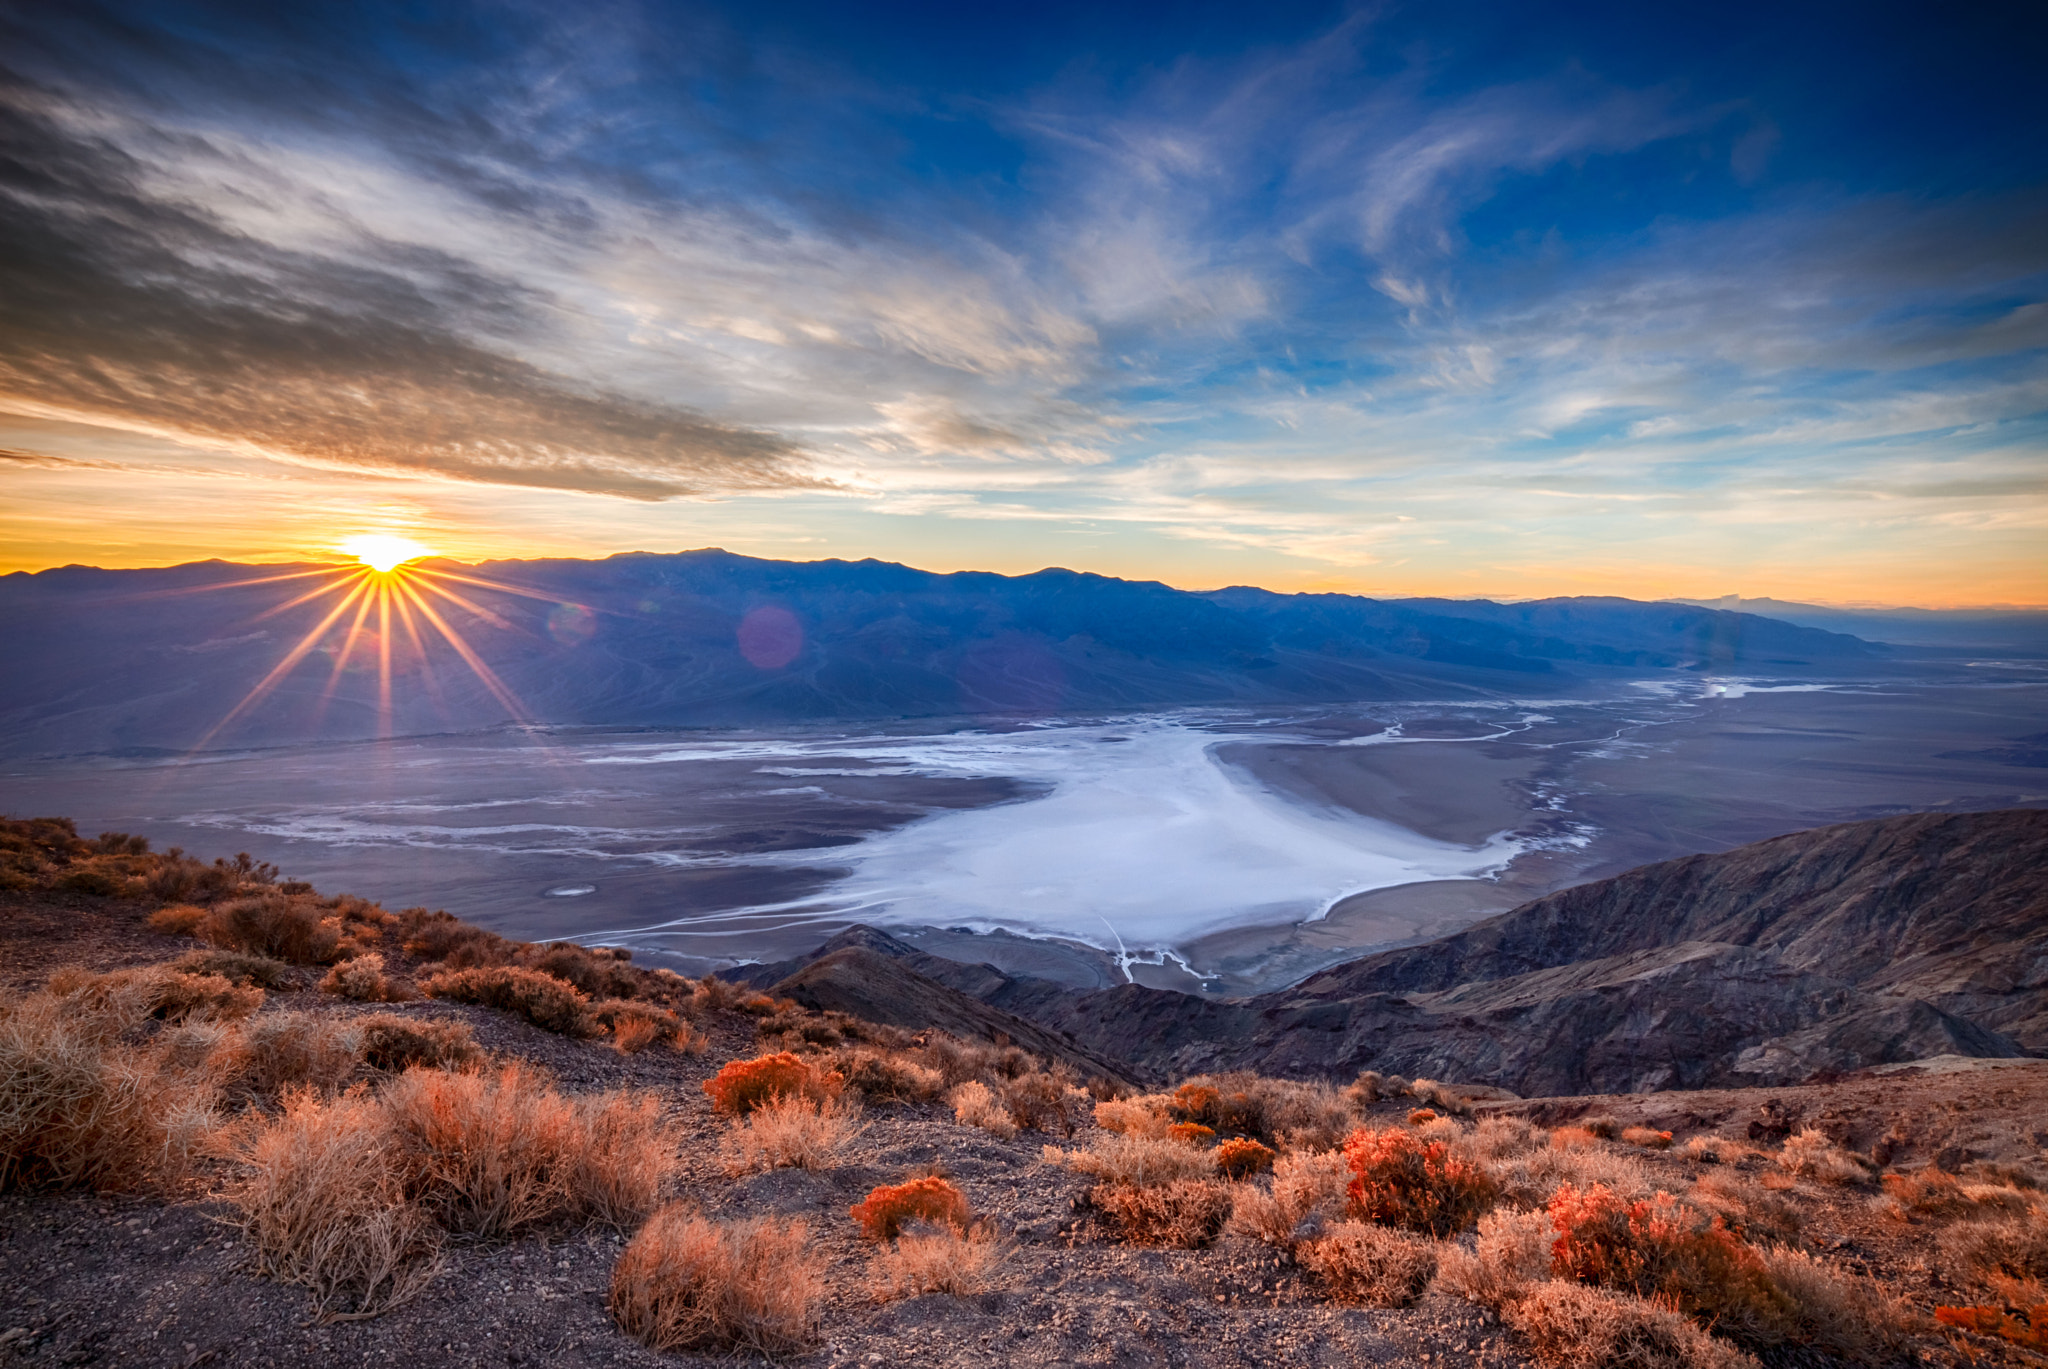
column 283, row 927
column 177, row 919
column 1659, row 1248
column 1197, row 1103
column 1188, row 1213
column 883, row 1212
column 1241, row 1157
column 1401, row 1180
column 688, row 1283
column 1421, row 1116
column 1647, row 1138
column 1191, row 1133
column 744, row 1085
column 2027, row 1326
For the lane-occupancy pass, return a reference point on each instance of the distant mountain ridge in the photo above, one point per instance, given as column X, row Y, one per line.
column 140, row 659
column 1828, row 950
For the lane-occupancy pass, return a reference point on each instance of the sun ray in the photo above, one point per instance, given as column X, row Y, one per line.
column 348, row 644
column 384, row 660
column 494, row 619
column 436, row 573
column 419, row 650
column 342, row 578
column 462, row 649
column 282, row 668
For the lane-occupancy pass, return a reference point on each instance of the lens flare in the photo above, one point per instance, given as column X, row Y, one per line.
column 382, row 551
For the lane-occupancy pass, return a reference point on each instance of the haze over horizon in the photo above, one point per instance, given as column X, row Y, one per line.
column 1472, row 300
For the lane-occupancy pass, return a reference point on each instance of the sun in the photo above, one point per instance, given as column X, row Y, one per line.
column 381, row 551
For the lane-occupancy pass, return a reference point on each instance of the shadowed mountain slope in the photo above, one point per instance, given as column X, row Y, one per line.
column 109, row 660
column 1822, row 951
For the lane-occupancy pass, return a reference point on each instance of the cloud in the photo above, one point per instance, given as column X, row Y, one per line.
column 56, row 463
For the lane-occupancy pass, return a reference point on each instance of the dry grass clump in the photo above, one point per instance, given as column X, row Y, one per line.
column 1574, row 1327
column 1840, row 1314
column 1716, row 1150
column 685, row 1282
column 547, row 1002
column 1308, row 1187
column 165, row 994
column 1280, row 1112
column 1421, row 1115
column 791, row 1133
column 941, row 1261
column 178, row 919
column 1501, row 1138
column 282, row 1050
column 1362, row 1263
column 2006, row 1254
column 975, row 1104
column 322, row 1196
column 1241, row 1157
column 1187, row 1213
column 364, row 980
column 298, row 928
column 1044, row 1099
column 882, row 1077
column 1139, row 1161
column 635, row 1026
column 1512, row 1252
column 1811, row 1155
column 84, row 1105
column 1649, row 1138
column 1191, row 1134
column 494, row 1154
column 930, row 1200
column 237, row 967
column 1931, row 1193
column 394, row 1043
column 1753, row 1212
column 1401, row 1180
column 1530, row 1177
column 1145, row 1115
column 743, row 1085
column 1573, row 1138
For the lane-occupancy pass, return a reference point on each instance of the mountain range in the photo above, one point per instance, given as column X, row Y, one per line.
column 1817, row 953
column 142, row 660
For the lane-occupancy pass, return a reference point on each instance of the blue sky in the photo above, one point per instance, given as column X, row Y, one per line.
column 1457, row 298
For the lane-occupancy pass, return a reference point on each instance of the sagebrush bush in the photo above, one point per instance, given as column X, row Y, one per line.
column 1045, row 1100
column 1140, row 1161
column 282, row 1050
column 363, row 979
column 394, row 1043
column 1649, row 1138
column 292, row 928
column 940, row 1261
column 541, row 999
column 1280, row 1112
column 1399, row 1179
column 932, row 1200
column 743, row 1085
column 1191, row 1134
column 685, row 1282
column 1306, row 1185
column 456, row 944
column 1811, row 1155
column 2011, row 1248
column 881, row 1077
column 1140, row 1116
column 163, row 993
column 1187, row 1213
column 1835, row 1312
column 636, row 1026
column 1374, row 1265
column 238, row 968
column 178, row 919
column 1512, row 1251
column 1240, row 1157
column 1660, row 1248
column 792, row 1133
column 1569, row 1326
column 975, row 1104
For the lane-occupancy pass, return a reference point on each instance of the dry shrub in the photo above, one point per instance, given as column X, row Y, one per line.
column 1835, row 1312
column 2024, row 1326
column 160, row 992
column 446, row 938
column 1043, row 1100
column 975, row 1104
column 1716, row 1150
column 1448, row 1130
column 177, row 919
column 880, row 1077
column 1931, row 1193
column 932, row 1200
column 1308, row 1186
column 238, row 968
column 1284, row 1112
column 942, row 1261
column 1362, row 1092
column 1191, row 1133
column 364, row 980
column 494, row 1154
column 712, row 994
column 598, row 973
column 790, row 1133
column 1139, row 1161
column 282, row 1050
column 685, row 1282
column 1187, row 1213
column 322, row 1198
column 1530, row 1178
column 1421, row 1115
column 1512, row 1252
column 1601, row 1125
column 1573, row 1138
column 541, row 999
column 1996, row 1251
column 1142, row 1116
column 1500, row 1138
column 82, row 1107
column 1401, row 1180
column 636, row 1026
column 1573, row 1327
column 1241, row 1157
column 1647, row 1137
column 1362, row 1263
column 1749, row 1210
column 743, row 1085
column 282, row 926
column 1660, row 1248
column 1811, row 1155
column 394, row 1043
